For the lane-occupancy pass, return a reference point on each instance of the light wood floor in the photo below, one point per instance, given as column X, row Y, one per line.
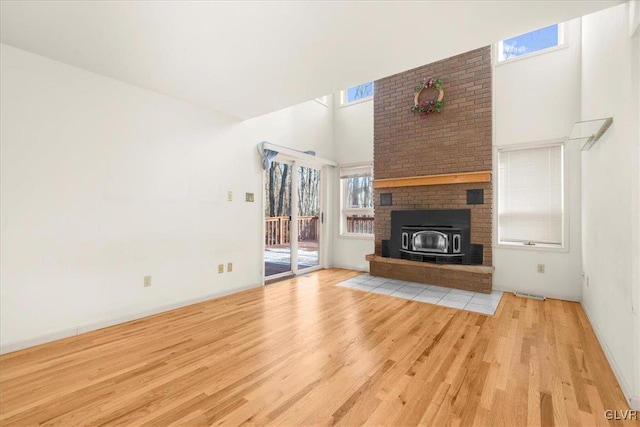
column 305, row 352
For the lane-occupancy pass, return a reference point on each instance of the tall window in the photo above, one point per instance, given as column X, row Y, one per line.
column 357, row 93
column 356, row 200
column 531, row 196
column 534, row 41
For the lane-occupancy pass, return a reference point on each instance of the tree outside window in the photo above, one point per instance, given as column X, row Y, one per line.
column 357, row 200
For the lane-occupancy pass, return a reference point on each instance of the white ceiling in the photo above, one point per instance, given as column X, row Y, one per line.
column 250, row 58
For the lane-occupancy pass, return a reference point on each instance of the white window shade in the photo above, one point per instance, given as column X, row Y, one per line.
column 530, row 195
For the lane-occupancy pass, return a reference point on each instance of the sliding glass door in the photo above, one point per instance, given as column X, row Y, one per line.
column 277, row 218
column 308, row 217
column 293, row 219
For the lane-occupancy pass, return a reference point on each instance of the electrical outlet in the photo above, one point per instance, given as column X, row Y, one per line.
column 220, row 268
column 147, row 281
column 248, row 197
column 540, row 268
column 229, row 196
column 229, row 267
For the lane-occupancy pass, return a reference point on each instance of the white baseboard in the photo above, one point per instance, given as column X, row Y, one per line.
column 93, row 326
column 350, row 267
column 40, row 339
column 544, row 294
column 634, row 401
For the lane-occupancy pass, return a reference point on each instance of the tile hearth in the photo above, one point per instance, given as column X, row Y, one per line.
column 438, row 295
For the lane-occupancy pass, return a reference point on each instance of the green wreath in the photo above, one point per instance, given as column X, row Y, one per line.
column 425, row 107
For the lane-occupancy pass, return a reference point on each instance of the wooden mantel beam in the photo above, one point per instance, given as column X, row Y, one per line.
column 444, row 179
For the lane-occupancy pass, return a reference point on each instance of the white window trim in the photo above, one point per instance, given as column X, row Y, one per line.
column 354, row 236
column 343, row 95
column 538, row 247
column 563, row 35
column 344, row 211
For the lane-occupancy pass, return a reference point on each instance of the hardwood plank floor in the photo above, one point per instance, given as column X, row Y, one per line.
column 305, row 351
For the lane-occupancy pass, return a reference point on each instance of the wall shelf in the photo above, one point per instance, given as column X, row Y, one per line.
column 444, row 179
column 588, row 132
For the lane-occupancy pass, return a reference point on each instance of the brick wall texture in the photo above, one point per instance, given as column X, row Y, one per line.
column 459, row 139
column 423, row 273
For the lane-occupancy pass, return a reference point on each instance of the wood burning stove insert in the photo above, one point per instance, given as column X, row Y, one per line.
column 441, row 236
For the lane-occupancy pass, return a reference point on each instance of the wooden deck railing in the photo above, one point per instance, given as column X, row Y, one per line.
column 307, row 228
column 278, row 232
column 360, row 224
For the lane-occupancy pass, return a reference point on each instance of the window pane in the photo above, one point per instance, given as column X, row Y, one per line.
column 357, row 199
column 362, row 91
column 358, row 192
column 530, row 42
column 360, row 224
column 530, row 198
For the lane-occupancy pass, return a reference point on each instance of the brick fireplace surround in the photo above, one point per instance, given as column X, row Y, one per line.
column 459, row 139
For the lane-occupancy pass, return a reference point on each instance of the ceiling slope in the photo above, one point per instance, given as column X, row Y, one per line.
column 246, row 59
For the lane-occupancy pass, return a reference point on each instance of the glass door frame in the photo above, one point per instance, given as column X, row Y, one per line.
column 291, row 270
column 322, row 173
column 293, row 164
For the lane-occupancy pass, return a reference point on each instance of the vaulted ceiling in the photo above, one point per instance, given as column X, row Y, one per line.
column 246, row 59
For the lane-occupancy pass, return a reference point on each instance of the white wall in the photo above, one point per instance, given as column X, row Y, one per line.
column 537, row 98
column 610, row 191
column 635, row 190
column 104, row 183
column 353, row 143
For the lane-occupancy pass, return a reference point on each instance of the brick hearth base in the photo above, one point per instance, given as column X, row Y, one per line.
column 476, row 278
